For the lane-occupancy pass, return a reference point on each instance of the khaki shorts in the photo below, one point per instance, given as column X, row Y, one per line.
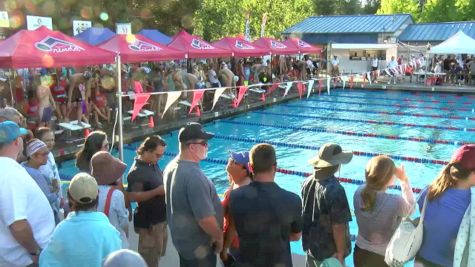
column 153, row 243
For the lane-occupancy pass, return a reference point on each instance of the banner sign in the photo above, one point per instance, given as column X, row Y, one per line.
column 123, row 28
column 80, row 26
column 34, row 22
column 4, row 21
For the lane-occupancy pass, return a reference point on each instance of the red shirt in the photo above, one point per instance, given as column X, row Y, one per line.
column 225, row 203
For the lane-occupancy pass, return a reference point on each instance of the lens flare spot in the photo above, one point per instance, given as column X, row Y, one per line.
column 130, row 38
column 104, row 16
column 47, row 61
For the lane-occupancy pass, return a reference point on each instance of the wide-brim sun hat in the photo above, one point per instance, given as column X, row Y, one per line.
column 330, row 155
column 105, row 168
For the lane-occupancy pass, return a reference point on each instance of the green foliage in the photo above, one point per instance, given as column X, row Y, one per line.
column 218, row 18
column 371, row 6
column 448, row 10
column 400, row 6
column 337, row 7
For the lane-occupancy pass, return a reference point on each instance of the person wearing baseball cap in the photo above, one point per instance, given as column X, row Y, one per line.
column 27, row 217
column 448, row 198
column 238, row 175
column 326, row 208
column 194, row 211
column 85, row 237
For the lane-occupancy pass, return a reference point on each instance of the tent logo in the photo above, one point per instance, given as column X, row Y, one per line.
column 242, row 45
column 200, row 45
column 55, row 45
column 276, row 44
column 141, row 46
column 303, row 44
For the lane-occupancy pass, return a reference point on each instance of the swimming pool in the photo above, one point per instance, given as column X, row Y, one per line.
column 419, row 130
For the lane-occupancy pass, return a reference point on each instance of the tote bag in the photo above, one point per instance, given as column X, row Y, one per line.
column 406, row 241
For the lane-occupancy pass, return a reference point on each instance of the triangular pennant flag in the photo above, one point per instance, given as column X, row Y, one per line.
column 344, row 79
column 272, row 89
column 140, row 101
column 352, row 79
column 263, row 97
column 151, row 123
column 368, row 75
column 86, row 132
column 387, row 71
column 197, row 96
column 320, row 86
column 217, row 93
column 242, row 92
column 138, row 87
column 328, row 85
column 171, row 98
column 310, row 87
column 300, row 88
column 287, row 89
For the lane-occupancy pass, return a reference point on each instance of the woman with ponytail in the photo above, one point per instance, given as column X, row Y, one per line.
column 447, row 200
column 379, row 213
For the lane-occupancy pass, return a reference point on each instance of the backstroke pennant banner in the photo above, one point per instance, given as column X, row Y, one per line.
column 287, row 89
column 197, row 96
column 300, row 88
column 310, row 87
column 140, row 101
column 217, row 93
column 171, row 98
column 272, row 88
column 320, row 86
column 242, row 92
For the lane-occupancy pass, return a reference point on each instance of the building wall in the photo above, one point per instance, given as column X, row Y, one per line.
column 323, row 39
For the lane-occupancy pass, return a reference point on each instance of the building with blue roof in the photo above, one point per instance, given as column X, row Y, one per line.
column 435, row 33
column 357, row 29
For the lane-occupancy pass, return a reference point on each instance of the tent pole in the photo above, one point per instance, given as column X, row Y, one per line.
column 119, row 107
column 10, row 79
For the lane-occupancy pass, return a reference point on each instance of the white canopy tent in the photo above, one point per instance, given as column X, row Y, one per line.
column 459, row 43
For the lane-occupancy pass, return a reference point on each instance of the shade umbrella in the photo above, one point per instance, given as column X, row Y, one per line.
column 241, row 47
column 302, row 46
column 134, row 48
column 95, row 36
column 195, row 47
column 276, row 47
column 46, row 48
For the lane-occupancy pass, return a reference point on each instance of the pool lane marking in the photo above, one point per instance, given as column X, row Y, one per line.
column 351, row 133
column 368, row 121
column 398, row 113
column 391, row 105
column 364, row 94
column 315, row 148
column 280, row 170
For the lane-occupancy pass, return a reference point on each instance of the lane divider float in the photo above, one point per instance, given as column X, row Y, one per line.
column 391, row 105
column 428, row 126
column 316, row 148
column 398, row 113
column 350, row 133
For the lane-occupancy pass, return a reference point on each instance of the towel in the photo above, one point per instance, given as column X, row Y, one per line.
column 464, row 254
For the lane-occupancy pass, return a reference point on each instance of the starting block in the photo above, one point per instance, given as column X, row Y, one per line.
column 73, row 126
column 144, row 113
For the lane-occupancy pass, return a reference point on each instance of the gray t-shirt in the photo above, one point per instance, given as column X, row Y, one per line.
column 190, row 197
column 376, row 227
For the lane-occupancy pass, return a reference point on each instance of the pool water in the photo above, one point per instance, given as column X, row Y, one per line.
column 301, row 126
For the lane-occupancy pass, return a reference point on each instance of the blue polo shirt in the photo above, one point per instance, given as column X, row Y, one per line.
column 441, row 224
column 83, row 239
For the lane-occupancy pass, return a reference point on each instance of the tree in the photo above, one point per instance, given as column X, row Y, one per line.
column 337, row 7
column 371, row 6
column 218, row 18
column 400, row 6
column 448, row 10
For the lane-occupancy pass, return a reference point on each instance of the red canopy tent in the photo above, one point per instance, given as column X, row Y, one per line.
column 241, row 47
column 195, row 47
column 46, row 48
column 276, row 47
column 302, row 46
column 138, row 48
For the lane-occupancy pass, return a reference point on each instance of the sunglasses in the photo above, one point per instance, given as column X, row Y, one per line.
column 204, row 143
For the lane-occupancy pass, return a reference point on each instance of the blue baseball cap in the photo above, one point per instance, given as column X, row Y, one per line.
column 10, row 131
column 241, row 158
